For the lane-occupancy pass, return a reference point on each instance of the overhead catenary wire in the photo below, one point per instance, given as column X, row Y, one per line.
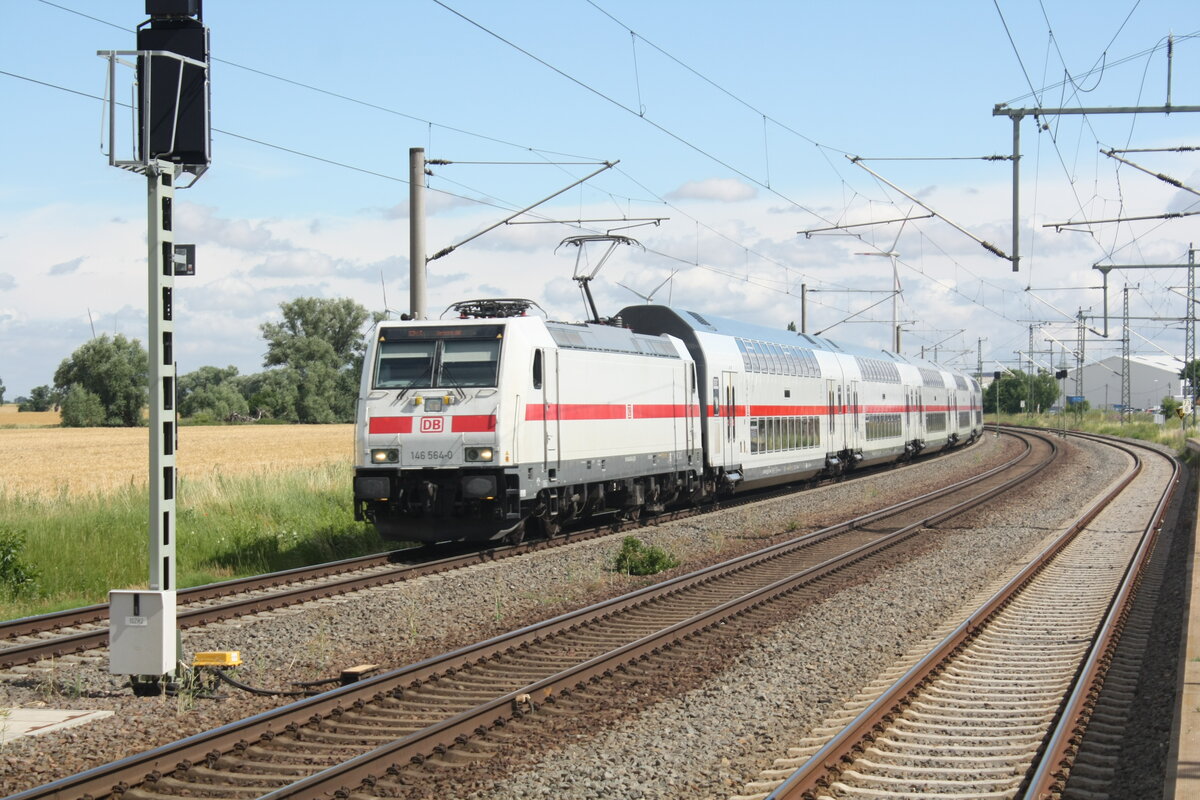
column 371, row 105
column 384, row 108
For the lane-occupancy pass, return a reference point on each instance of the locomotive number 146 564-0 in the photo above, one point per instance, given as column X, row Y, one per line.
column 440, row 456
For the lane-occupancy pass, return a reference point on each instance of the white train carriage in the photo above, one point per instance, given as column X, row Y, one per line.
column 781, row 406
column 474, row 428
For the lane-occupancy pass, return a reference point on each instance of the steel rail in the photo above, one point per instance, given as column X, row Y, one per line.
column 208, row 747
column 72, row 617
column 1050, row 776
column 824, row 766
column 58, row 646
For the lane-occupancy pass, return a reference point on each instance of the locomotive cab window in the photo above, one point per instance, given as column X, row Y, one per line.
column 469, row 364
column 438, row 357
column 405, row 365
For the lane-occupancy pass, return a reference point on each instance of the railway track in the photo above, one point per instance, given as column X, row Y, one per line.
column 31, row 639
column 999, row 706
column 453, row 707
column 74, row 631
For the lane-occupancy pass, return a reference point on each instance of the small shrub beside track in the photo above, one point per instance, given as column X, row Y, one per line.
column 17, row 579
column 638, row 558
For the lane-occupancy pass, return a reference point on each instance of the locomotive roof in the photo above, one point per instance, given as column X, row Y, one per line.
column 684, row 324
column 587, row 336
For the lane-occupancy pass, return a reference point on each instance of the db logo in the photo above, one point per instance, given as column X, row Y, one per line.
column 432, row 424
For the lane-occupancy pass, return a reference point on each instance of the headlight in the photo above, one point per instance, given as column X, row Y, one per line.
column 387, row 455
column 478, row 454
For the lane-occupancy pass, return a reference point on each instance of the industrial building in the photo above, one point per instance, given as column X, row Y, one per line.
column 1151, row 378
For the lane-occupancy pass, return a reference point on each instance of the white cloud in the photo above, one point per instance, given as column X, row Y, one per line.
column 729, row 190
column 66, row 267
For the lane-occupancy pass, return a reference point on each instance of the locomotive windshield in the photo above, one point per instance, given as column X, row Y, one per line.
column 457, row 357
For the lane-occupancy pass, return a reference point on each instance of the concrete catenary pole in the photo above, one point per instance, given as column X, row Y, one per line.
column 416, row 234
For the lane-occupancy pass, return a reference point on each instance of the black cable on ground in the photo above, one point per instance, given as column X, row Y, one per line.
column 253, row 690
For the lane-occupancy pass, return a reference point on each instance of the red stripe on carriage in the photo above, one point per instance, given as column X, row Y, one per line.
column 786, row 411
column 599, row 411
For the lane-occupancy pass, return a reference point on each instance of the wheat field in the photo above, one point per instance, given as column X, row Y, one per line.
column 10, row 417
column 72, row 462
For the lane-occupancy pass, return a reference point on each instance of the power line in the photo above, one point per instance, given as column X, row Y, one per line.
column 340, row 96
column 375, row 106
column 589, row 88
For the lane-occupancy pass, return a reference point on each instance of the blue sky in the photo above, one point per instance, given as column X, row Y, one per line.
column 732, row 122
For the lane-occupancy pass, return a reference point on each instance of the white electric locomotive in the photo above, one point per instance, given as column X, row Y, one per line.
column 497, row 423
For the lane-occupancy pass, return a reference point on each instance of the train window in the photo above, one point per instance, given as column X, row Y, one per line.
column 469, row 363
column 741, row 343
column 813, row 365
column 757, row 362
column 776, row 358
column 537, row 369
column 405, row 365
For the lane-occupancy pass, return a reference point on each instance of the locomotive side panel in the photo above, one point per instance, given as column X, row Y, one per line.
column 611, row 415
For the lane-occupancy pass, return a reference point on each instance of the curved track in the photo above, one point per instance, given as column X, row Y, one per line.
column 997, row 708
column 449, row 707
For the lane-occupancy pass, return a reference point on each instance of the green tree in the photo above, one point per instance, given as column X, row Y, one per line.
column 1039, row 393
column 791, row 326
column 1191, row 374
column 81, row 408
column 210, row 393
column 319, row 347
column 41, row 398
column 115, row 370
column 339, row 323
column 273, row 392
column 1, row 391
column 1170, row 405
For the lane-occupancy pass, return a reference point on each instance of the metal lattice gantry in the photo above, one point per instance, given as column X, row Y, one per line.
column 1125, row 382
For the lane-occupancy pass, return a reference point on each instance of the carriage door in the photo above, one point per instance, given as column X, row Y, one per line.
column 908, row 426
column 550, row 411
column 691, row 401
column 831, row 413
column 920, row 428
column 729, row 414
column 855, row 412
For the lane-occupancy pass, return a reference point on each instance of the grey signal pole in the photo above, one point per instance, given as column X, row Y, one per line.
column 160, row 306
column 172, row 136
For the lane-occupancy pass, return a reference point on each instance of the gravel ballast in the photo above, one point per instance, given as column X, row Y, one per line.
column 779, row 684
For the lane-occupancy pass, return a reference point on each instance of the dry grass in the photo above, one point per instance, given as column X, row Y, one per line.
column 11, row 418
column 72, row 462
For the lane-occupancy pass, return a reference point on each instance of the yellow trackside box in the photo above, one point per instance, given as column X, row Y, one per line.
column 226, row 658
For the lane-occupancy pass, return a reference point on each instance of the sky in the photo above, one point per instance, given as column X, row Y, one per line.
column 759, row 148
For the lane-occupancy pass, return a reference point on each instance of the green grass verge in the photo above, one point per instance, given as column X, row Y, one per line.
column 1172, row 433
column 67, row 552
